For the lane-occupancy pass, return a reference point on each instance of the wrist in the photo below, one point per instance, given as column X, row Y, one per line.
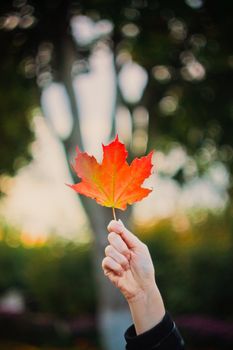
column 143, row 296
column 147, row 309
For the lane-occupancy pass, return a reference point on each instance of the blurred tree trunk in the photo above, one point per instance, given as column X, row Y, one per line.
column 113, row 316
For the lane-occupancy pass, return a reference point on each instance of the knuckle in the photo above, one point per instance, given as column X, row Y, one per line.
column 119, row 268
column 144, row 246
column 124, row 261
column 107, row 250
column 106, row 273
column 110, row 225
column 111, row 236
column 103, row 263
column 125, row 251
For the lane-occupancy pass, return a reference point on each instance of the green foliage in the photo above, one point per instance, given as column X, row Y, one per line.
column 12, row 264
column 193, row 265
column 17, row 98
column 61, row 280
column 54, row 279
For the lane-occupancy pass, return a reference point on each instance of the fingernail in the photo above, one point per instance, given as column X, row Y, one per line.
column 119, row 220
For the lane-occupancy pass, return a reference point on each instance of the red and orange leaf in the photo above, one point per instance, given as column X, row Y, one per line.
column 113, row 183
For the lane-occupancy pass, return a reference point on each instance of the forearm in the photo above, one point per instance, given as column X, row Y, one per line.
column 147, row 309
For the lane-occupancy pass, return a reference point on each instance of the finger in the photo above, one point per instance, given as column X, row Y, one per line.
column 118, row 257
column 117, row 242
column 129, row 238
column 110, row 264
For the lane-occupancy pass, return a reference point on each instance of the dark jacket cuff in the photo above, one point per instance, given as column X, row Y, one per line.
column 157, row 337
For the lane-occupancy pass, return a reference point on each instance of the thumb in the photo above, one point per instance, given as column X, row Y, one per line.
column 129, row 238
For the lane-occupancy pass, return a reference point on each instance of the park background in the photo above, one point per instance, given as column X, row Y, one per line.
column 158, row 73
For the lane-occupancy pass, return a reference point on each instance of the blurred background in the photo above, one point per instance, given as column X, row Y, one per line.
column 158, row 73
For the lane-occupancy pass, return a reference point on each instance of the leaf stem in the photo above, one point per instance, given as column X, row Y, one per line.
column 114, row 213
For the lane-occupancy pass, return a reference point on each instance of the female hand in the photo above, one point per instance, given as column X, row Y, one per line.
column 128, row 263
column 129, row 267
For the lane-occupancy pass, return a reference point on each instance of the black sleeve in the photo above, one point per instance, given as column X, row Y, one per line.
column 163, row 336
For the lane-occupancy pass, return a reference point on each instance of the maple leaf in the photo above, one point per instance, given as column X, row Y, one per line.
column 113, row 183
